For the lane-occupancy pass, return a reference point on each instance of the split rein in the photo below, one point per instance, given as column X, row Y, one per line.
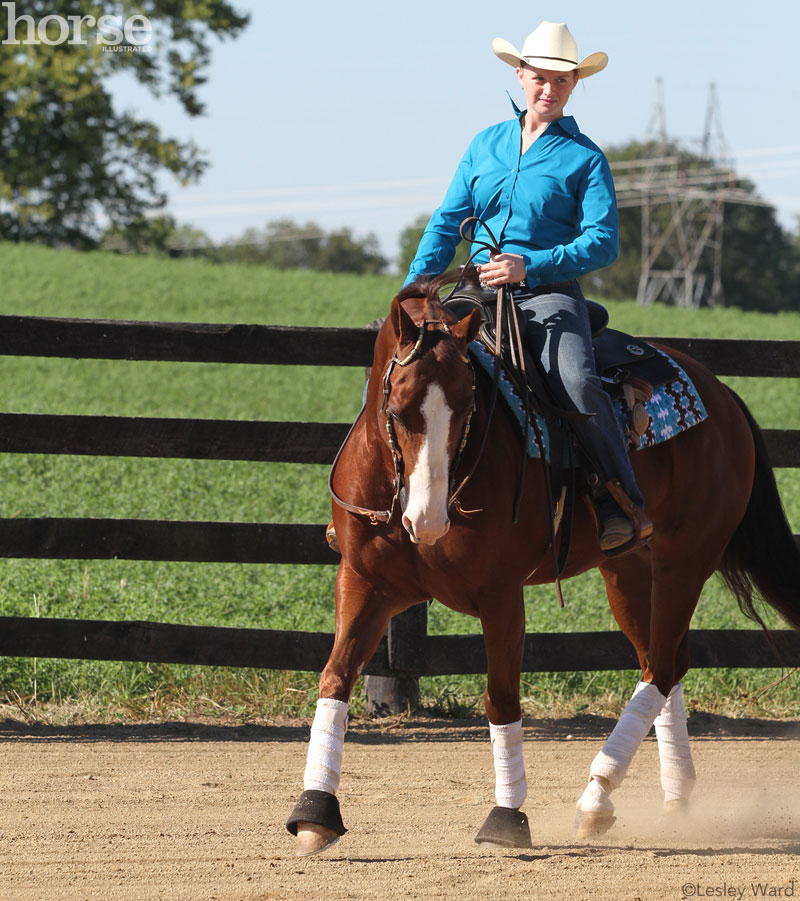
column 376, row 516
column 503, row 305
column 504, row 319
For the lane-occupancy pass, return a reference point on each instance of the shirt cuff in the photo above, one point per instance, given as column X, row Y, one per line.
column 539, row 267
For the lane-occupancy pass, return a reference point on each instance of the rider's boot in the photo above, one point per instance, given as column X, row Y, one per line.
column 622, row 523
column 614, row 526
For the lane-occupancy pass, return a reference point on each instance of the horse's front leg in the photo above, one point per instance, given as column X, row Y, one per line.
column 504, row 637
column 361, row 618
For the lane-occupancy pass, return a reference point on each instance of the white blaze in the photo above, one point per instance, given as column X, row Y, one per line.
column 425, row 516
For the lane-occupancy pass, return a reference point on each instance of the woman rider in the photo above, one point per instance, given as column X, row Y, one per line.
column 546, row 192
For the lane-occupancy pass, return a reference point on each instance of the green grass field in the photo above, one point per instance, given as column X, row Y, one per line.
column 38, row 281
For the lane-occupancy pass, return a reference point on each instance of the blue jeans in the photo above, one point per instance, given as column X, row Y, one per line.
column 558, row 333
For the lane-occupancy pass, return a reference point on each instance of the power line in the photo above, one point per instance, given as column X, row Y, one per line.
column 683, row 206
column 373, row 194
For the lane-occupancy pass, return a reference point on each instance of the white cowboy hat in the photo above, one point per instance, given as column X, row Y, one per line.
column 550, row 46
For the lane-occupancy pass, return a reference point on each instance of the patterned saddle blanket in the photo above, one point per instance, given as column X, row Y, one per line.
column 674, row 407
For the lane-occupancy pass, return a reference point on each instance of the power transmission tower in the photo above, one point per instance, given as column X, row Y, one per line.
column 683, row 204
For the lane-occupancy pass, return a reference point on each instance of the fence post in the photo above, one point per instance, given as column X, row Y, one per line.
column 399, row 692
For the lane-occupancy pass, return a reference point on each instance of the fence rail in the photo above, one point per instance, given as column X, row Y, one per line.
column 436, row 655
column 221, row 439
column 197, row 342
column 407, row 649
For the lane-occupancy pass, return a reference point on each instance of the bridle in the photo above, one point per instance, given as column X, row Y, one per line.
column 504, row 321
column 377, row 516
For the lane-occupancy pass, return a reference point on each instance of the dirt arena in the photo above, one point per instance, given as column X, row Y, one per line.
column 196, row 811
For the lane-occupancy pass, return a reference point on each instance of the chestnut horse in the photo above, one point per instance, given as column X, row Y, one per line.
column 711, row 495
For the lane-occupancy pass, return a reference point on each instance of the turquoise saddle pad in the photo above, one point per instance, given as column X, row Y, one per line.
column 673, row 408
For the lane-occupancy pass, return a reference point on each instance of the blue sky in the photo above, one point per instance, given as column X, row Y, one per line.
column 357, row 113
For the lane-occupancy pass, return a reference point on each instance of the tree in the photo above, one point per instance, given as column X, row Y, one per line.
column 68, row 158
column 760, row 261
column 157, row 234
column 186, row 240
column 342, row 252
column 409, row 241
column 281, row 243
column 140, row 236
column 287, row 245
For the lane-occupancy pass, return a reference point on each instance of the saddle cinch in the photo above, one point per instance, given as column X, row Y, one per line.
column 629, row 368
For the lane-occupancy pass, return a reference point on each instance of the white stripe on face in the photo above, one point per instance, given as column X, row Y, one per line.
column 425, row 516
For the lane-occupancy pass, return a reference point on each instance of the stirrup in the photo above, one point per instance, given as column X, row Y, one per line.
column 641, row 522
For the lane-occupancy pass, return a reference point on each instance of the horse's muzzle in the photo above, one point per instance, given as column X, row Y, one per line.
column 425, row 533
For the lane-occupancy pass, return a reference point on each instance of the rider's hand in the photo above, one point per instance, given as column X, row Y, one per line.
column 502, row 269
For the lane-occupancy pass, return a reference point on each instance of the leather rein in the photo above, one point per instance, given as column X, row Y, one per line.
column 505, row 319
column 376, row 516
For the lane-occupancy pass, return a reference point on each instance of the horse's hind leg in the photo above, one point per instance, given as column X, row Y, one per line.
column 675, row 754
column 504, row 637
column 661, row 643
column 361, row 618
column 628, row 584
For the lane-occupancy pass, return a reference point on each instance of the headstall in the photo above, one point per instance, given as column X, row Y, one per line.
column 376, row 516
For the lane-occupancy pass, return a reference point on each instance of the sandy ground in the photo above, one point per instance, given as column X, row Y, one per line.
column 196, row 811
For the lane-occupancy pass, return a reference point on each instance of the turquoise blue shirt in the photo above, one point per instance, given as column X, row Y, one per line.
column 555, row 204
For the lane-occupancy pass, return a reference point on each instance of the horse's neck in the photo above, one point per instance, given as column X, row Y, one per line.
column 374, row 418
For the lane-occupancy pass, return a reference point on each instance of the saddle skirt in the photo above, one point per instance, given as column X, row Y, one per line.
column 674, row 406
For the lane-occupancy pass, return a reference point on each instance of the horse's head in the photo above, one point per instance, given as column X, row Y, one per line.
column 427, row 400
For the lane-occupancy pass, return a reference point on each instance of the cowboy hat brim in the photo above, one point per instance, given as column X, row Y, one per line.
column 591, row 65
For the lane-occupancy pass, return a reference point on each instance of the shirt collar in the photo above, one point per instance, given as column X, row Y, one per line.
column 567, row 123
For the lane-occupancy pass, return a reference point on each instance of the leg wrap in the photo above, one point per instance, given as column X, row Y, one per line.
column 324, row 761
column 511, row 788
column 595, row 799
column 677, row 770
column 617, row 753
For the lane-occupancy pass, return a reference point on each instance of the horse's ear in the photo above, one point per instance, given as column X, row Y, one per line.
column 403, row 325
column 467, row 328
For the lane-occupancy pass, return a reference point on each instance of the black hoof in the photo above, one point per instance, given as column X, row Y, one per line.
column 317, row 807
column 505, row 827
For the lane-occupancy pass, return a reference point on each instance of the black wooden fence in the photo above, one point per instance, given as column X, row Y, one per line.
column 406, row 650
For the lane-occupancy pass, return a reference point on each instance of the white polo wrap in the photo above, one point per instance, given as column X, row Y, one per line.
column 324, row 760
column 594, row 799
column 511, row 787
column 677, row 770
column 613, row 760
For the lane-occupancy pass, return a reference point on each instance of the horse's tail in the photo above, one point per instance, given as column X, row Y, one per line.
column 762, row 557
